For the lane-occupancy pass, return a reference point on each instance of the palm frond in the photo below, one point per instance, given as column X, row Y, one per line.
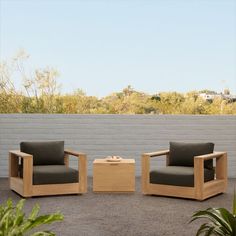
column 221, row 221
column 215, row 216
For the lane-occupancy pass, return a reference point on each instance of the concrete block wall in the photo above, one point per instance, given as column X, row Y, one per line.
column 125, row 135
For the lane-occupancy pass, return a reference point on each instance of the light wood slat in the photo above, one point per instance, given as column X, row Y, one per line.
column 55, row 189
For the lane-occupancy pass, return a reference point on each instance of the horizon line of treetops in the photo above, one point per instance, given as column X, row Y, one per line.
column 40, row 93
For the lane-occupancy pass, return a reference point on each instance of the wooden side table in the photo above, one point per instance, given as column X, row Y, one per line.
column 114, row 176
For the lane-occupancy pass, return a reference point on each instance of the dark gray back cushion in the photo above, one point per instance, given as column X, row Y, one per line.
column 182, row 154
column 45, row 153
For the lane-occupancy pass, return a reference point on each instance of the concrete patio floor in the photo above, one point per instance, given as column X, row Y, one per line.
column 94, row 214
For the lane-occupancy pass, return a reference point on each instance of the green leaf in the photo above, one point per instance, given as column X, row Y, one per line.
column 40, row 220
column 9, row 203
column 20, row 205
column 227, row 216
column 221, row 221
column 13, row 221
column 203, row 228
column 43, row 233
column 34, row 212
column 214, row 215
column 210, row 231
column 218, row 231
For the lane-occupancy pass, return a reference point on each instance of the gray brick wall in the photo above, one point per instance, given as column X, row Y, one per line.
column 125, row 135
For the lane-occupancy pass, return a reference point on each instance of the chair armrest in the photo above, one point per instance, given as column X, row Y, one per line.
column 27, row 169
column 156, row 154
column 80, row 156
column 146, row 167
column 74, row 153
column 199, row 160
column 210, row 156
column 20, row 154
column 82, row 167
column 220, row 169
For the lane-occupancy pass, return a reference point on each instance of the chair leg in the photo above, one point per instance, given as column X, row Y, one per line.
column 82, row 174
column 13, row 165
column 221, row 169
column 145, row 173
column 198, row 178
column 27, row 177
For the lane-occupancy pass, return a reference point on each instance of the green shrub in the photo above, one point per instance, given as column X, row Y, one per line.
column 222, row 222
column 14, row 222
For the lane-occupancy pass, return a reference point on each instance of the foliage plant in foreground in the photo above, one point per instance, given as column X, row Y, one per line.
column 14, row 222
column 222, row 222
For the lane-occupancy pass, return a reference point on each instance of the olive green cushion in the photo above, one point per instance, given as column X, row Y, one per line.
column 177, row 175
column 182, row 154
column 45, row 153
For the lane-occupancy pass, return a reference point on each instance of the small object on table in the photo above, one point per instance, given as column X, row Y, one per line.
column 114, row 158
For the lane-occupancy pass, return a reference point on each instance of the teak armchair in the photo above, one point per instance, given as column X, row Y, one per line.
column 194, row 182
column 31, row 175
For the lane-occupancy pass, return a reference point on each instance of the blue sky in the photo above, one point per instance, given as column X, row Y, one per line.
column 103, row 46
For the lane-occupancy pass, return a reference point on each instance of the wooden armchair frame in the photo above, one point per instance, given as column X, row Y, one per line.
column 201, row 190
column 25, row 187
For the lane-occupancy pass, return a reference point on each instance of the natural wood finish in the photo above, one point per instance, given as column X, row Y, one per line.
column 145, row 173
column 25, row 187
column 212, row 188
column 114, row 176
column 66, row 159
column 171, row 190
column 55, row 189
column 27, row 176
column 82, row 166
column 201, row 190
column 73, row 153
column 16, row 184
column 210, row 156
column 156, row 154
column 198, row 177
column 13, row 165
column 26, row 183
column 145, row 180
column 222, row 170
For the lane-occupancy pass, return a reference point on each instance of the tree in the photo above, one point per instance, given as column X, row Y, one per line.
column 41, row 90
column 193, row 104
column 10, row 98
column 129, row 101
column 40, row 93
column 169, row 103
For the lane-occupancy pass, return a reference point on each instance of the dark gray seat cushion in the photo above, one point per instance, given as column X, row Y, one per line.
column 178, row 176
column 182, row 154
column 45, row 153
column 54, row 174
